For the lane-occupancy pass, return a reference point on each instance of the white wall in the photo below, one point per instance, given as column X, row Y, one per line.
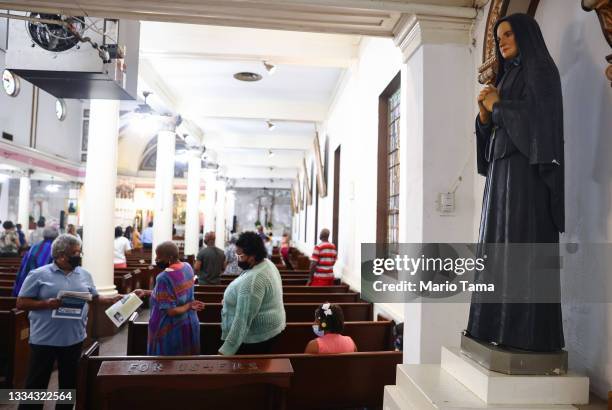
column 577, row 45
column 353, row 124
column 55, row 137
column 16, row 112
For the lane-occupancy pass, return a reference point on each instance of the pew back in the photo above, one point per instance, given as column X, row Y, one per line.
column 368, row 336
column 298, row 312
column 14, row 347
column 352, row 380
column 346, row 297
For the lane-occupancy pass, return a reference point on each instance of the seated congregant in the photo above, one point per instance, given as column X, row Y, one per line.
column 174, row 328
column 122, row 249
column 9, row 240
column 38, row 255
column 253, row 314
column 328, row 326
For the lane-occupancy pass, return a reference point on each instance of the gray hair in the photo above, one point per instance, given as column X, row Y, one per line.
column 50, row 232
column 61, row 244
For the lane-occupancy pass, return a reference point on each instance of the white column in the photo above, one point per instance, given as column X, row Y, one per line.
column 209, row 200
column 230, row 209
column 164, row 185
column 192, row 217
column 220, row 215
column 429, row 91
column 23, row 212
column 99, row 203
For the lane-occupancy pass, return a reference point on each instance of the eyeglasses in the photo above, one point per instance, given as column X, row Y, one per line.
column 240, row 256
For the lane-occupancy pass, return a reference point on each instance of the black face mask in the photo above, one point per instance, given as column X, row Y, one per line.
column 162, row 265
column 244, row 265
column 75, row 261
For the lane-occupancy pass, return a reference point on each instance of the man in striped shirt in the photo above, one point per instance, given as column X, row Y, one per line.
column 322, row 262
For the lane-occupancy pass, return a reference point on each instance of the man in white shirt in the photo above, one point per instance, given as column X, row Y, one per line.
column 147, row 237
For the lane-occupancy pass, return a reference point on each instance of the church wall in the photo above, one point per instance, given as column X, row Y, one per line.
column 353, row 124
column 575, row 41
column 577, row 45
column 55, row 137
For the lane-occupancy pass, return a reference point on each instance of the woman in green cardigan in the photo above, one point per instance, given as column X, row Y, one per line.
column 253, row 314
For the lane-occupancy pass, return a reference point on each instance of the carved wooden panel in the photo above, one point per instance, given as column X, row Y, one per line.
column 603, row 8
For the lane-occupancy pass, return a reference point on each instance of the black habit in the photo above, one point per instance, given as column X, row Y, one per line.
column 521, row 154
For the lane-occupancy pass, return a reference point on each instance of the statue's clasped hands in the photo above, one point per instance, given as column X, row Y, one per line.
column 487, row 97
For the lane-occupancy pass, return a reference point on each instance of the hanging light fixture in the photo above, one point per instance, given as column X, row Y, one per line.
column 271, row 125
column 270, row 153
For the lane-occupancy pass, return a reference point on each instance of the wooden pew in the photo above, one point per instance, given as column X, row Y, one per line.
column 369, row 337
column 346, row 297
column 286, row 289
column 337, row 381
column 14, row 348
column 7, row 302
column 298, row 312
column 6, row 290
column 289, row 282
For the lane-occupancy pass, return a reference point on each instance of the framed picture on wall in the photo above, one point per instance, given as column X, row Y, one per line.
column 299, row 199
column 306, row 183
column 321, row 180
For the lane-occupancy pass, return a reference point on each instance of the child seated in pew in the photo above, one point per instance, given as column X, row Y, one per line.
column 328, row 326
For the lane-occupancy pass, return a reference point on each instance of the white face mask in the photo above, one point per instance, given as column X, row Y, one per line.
column 317, row 331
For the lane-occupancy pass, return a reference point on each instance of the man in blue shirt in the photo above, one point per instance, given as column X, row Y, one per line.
column 52, row 338
column 147, row 237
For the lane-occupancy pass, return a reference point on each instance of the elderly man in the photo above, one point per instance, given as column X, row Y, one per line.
column 38, row 255
column 51, row 338
column 210, row 262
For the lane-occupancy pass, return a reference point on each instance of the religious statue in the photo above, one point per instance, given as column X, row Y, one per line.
column 519, row 136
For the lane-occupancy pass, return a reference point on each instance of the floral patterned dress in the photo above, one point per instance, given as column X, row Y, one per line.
column 173, row 335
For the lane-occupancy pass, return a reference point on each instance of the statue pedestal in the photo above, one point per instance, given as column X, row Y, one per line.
column 461, row 383
column 517, row 362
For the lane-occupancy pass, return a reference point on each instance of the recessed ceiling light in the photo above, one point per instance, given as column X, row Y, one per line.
column 270, row 68
column 247, row 76
column 271, row 125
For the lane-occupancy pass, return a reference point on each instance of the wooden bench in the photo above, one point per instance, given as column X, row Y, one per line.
column 7, row 302
column 6, row 290
column 298, row 312
column 369, row 337
column 14, row 348
column 286, row 289
column 346, row 297
column 350, row 380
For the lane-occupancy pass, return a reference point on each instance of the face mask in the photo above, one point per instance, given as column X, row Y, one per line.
column 74, row 261
column 317, row 331
column 162, row 265
column 244, row 265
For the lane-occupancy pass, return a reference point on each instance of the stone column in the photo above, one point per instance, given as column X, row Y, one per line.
column 209, row 200
column 164, row 186
column 220, row 215
column 23, row 211
column 99, row 202
column 192, row 217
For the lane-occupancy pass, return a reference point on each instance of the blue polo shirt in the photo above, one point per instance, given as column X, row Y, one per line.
column 45, row 283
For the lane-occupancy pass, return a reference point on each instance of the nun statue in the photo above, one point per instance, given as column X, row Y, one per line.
column 519, row 144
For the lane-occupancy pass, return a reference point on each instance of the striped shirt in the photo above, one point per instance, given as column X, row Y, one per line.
column 325, row 256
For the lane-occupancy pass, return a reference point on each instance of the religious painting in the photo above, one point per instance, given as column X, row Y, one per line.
column 299, row 198
column 307, row 194
column 321, row 180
